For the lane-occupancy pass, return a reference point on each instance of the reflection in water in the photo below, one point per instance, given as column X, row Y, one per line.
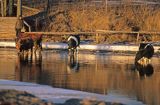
column 29, row 68
column 73, row 64
column 144, row 70
column 97, row 73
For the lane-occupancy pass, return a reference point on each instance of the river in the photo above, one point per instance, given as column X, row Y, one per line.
column 95, row 72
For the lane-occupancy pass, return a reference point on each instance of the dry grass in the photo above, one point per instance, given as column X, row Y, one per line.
column 84, row 17
column 124, row 17
column 90, row 18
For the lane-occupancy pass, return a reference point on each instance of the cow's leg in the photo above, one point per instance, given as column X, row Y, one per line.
column 31, row 49
column 77, row 50
column 25, row 54
column 35, row 48
column 40, row 44
column 69, row 51
column 149, row 60
column 72, row 51
column 39, row 47
column 19, row 52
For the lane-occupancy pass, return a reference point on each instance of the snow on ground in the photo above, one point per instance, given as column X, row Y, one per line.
column 58, row 95
column 83, row 46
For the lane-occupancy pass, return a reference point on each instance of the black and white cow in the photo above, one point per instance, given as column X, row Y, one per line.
column 144, row 54
column 73, row 42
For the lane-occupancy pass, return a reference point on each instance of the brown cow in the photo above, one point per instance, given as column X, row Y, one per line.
column 27, row 42
column 24, row 44
column 37, row 39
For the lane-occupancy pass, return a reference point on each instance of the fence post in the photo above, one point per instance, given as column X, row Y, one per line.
column 97, row 37
column 11, row 4
column 137, row 37
column 4, row 7
column 19, row 8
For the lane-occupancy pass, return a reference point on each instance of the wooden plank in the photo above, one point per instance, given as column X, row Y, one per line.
column 100, row 32
column 104, row 32
column 86, row 33
column 126, row 32
column 60, row 33
column 32, row 9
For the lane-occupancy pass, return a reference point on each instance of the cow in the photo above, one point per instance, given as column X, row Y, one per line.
column 27, row 42
column 144, row 54
column 24, row 44
column 37, row 39
column 73, row 43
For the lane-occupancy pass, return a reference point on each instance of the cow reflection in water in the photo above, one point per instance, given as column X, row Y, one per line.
column 29, row 68
column 73, row 64
column 144, row 70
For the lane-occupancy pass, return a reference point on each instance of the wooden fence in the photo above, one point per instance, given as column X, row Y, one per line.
column 99, row 34
column 139, row 35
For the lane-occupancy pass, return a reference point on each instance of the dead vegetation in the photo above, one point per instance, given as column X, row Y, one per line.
column 83, row 17
column 123, row 17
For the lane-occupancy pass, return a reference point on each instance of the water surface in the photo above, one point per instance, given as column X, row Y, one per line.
column 102, row 73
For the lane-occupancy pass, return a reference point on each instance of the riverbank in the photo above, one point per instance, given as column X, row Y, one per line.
column 14, row 97
column 56, row 96
column 83, row 46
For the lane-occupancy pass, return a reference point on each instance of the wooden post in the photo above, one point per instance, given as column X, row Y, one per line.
column 11, row 4
column 19, row 8
column 137, row 38
column 97, row 38
column 5, row 7
column 2, row 8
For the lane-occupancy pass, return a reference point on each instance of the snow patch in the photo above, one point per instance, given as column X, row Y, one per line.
column 57, row 95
